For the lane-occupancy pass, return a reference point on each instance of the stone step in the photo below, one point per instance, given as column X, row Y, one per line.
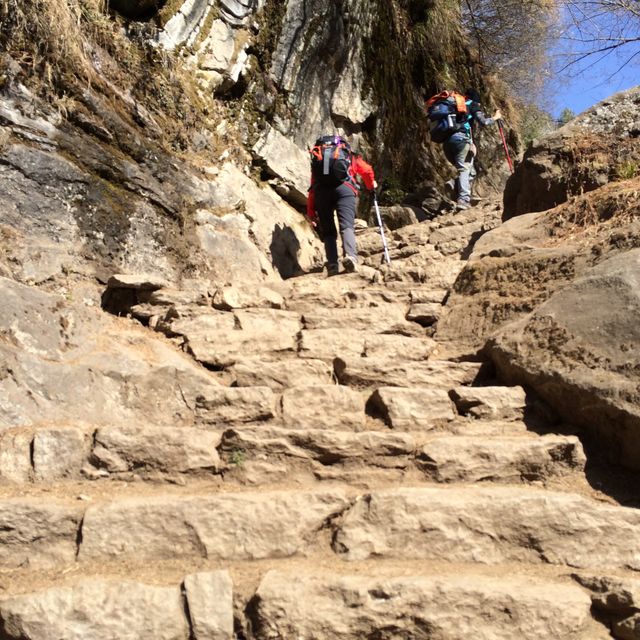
column 378, row 371
column 281, row 373
column 491, row 525
column 451, row 607
column 41, row 532
column 225, row 348
column 481, row 524
column 225, row 526
column 269, row 453
column 314, row 293
column 323, row 406
column 388, row 318
column 200, row 608
column 295, row 600
column 316, row 449
column 322, row 427
column 505, row 459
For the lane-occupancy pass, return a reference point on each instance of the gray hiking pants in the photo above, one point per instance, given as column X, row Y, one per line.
column 343, row 201
column 457, row 150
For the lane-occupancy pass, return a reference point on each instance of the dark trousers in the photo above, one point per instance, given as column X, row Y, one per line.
column 343, row 201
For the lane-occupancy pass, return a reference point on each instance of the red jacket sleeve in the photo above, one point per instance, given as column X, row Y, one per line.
column 364, row 169
column 311, row 202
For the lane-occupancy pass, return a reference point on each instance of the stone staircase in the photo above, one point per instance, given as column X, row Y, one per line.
column 349, row 477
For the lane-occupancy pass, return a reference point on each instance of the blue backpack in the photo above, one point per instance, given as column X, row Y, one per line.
column 448, row 113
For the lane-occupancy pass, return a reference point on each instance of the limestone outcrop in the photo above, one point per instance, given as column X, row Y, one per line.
column 593, row 149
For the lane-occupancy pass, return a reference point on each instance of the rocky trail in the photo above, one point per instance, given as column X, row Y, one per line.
column 330, row 469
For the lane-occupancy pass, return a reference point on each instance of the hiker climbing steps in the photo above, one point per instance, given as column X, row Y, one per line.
column 340, row 454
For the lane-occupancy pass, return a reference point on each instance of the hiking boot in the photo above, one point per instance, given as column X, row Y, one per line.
column 462, row 205
column 350, row 264
column 333, row 269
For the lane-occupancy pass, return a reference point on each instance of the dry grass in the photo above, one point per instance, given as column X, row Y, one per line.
column 601, row 213
column 54, row 38
column 591, row 152
column 65, row 46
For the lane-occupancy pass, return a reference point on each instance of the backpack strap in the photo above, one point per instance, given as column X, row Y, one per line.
column 461, row 103
column 326, row 160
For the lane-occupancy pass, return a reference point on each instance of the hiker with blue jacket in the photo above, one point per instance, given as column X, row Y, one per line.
column 335, row 170
column 452, row 122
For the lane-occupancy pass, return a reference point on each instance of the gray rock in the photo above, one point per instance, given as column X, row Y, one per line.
column 59, row 453
column 553, row 168
column 491, row 525
column 455, row 607
column 226, row 526
column 326, row 406
column 167, row 449
column 210, row 599
column 56, row 348
column 185, row 25
column 287, row 162
column 37, row 533
column 94, row 610
column 587, row 374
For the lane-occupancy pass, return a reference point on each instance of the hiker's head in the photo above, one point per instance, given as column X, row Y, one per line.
column 472, row 94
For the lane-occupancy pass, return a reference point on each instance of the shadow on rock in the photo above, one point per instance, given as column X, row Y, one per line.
column 284, row 249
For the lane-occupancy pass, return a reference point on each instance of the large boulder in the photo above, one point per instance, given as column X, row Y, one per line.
column 580, row 351
column 65, row 362
column 515, row 268
column 595, row 148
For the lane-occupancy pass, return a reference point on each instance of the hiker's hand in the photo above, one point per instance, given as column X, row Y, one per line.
column 375, row 185
column 497, row 115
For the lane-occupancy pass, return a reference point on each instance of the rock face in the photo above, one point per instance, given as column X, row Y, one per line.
column 581, row 350
column 332, row 432
column 585, row 154
column 53, row 346
column 552, row 298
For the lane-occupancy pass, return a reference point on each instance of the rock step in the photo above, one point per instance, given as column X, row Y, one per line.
column 377, row 371
column 301, row 603
column 294, row 443
column 273, row 453
column 489, row 524
column 420, row 607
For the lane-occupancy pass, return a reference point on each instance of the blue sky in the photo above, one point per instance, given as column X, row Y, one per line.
column 583, row 90
column 586, row 27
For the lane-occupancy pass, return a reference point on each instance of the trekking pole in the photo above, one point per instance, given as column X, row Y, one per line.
column 384, row 240
column 504, row 144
